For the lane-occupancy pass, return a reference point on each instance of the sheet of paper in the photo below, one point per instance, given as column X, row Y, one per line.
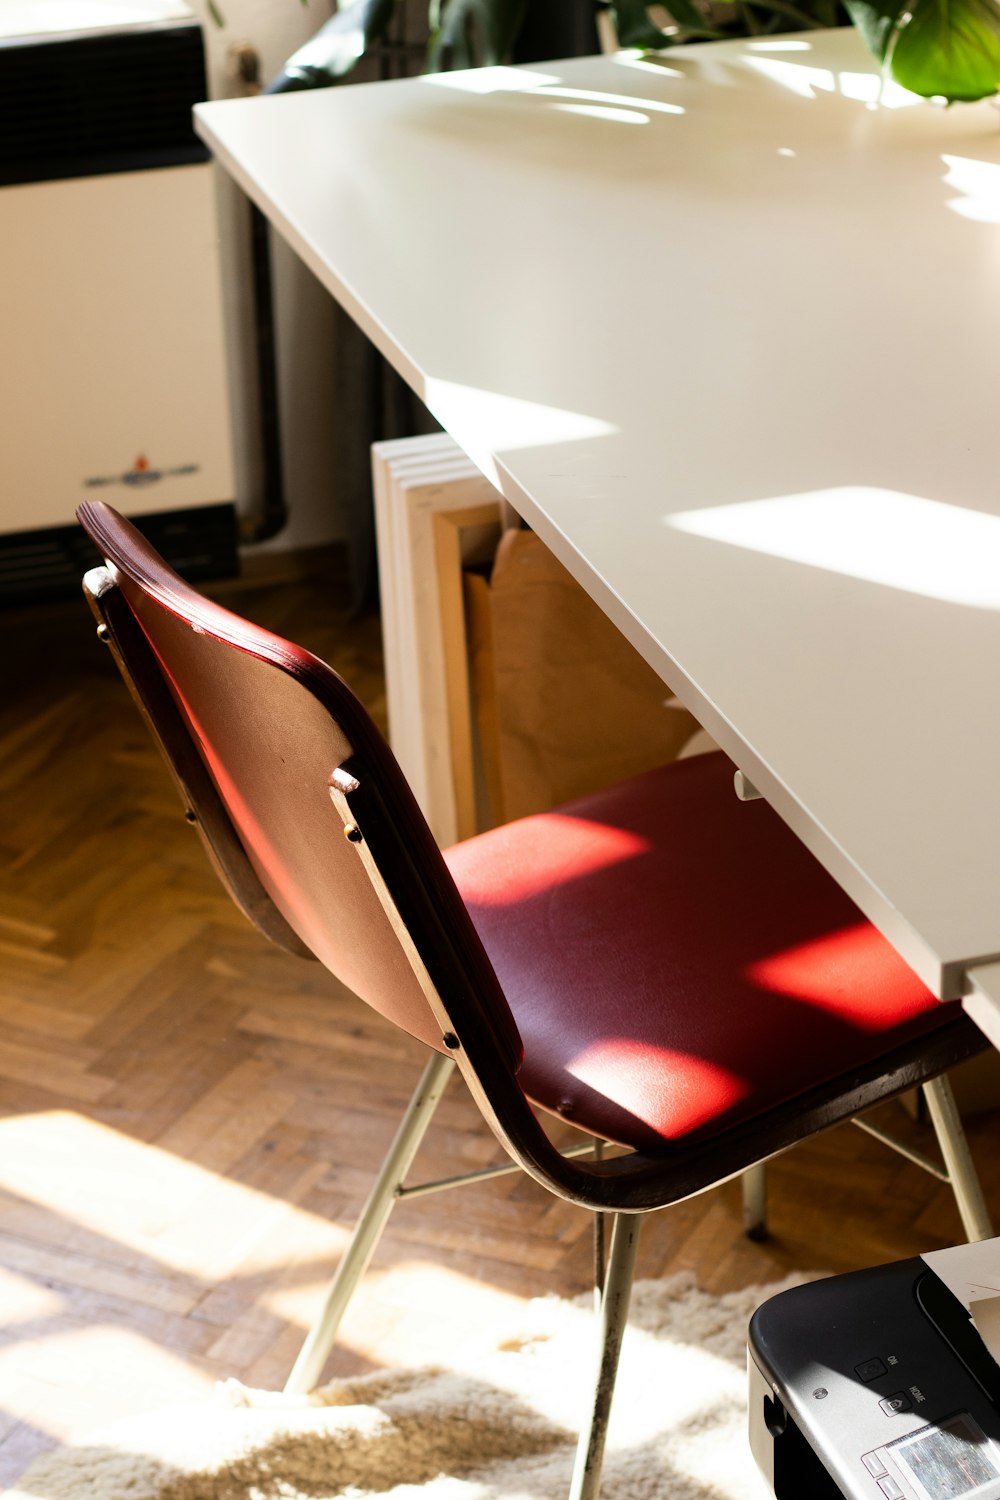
column 972, row 1274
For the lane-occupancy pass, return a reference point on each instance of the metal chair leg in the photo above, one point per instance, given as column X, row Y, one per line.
column 958, row 1159
column 619, row 1272
column 754, row 1185
column 600, row 1240
column 320, row 1339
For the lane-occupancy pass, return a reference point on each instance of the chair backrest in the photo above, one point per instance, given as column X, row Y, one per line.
column 254, row 728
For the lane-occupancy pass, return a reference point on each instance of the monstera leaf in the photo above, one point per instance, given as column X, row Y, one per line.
column 949, row 48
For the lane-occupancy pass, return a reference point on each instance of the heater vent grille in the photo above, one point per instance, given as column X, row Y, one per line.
column 49, row 564
column 84, row 106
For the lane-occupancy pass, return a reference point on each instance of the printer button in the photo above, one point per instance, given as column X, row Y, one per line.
column 891, row 1489
column 897, row 1403
column 870, row 1369
column 873, row 1464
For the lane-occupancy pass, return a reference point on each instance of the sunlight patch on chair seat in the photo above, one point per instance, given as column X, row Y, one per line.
column 632, row 1074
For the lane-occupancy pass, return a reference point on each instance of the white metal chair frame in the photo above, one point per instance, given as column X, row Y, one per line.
column 390, row 1187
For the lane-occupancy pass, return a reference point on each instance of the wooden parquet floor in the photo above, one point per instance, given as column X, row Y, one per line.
column 189, row 1120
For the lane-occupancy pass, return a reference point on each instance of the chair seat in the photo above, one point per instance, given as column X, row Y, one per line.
column 715, row 969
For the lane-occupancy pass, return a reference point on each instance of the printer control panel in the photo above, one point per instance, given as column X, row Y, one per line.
column 886, row 1380
column 953, row 1457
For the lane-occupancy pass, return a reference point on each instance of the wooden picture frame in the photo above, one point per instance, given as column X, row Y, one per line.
column 435, row 516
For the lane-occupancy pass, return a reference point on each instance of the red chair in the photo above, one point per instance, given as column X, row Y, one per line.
column 662, row 965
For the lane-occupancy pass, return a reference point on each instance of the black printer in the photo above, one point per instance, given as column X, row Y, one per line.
column 873, row 1386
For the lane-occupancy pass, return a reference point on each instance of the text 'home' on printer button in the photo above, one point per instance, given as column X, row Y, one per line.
column 897, row 1403
column 869, row 1369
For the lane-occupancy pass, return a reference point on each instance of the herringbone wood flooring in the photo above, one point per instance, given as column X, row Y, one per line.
column 189, row 1120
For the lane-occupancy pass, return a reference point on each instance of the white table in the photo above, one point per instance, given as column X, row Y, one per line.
column 727, row 335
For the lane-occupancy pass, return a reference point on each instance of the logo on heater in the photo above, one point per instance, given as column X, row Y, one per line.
column 142, row 473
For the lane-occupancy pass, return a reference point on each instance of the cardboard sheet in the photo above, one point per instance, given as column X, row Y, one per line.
column 565, row 705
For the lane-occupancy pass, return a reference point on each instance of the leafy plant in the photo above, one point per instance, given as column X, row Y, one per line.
column 934, row 47
column 948, row 48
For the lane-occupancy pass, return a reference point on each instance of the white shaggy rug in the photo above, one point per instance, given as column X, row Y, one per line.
column 498, row 1425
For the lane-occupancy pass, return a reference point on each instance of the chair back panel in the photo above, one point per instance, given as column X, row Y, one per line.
column 271, row 724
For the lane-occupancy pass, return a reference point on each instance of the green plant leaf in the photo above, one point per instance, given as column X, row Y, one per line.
column 473, row 33
column 949, row 48
column 336, row 47
column 877, row 21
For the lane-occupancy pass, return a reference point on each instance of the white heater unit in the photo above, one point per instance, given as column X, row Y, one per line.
column 115, row 379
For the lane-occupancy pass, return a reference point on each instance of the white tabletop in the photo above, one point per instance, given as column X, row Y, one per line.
column 727, row 335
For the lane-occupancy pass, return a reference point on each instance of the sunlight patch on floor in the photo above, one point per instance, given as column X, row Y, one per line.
column 415, row 1313
column 85, row 1184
